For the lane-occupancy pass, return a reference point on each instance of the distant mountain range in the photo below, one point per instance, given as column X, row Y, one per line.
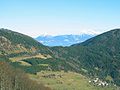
column 63, row 40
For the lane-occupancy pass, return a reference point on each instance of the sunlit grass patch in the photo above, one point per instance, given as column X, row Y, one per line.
column 61, row 80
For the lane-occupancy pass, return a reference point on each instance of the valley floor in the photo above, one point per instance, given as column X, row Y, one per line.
column 67, row 81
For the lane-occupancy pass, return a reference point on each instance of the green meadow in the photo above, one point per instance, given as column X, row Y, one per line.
column 61, row 80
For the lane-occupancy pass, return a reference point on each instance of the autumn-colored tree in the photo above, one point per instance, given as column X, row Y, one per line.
column 15, row 79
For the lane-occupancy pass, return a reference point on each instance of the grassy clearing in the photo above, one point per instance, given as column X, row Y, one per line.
column 66, row 81
column 15, row 59
column 24, row 63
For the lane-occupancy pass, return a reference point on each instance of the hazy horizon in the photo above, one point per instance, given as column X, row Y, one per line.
column 59, row 17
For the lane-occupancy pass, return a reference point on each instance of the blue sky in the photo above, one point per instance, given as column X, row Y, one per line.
column 36, row 17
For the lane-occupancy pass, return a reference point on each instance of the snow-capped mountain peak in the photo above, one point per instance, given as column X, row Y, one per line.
column 63, row 40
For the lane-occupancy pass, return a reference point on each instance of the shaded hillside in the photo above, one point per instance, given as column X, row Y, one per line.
column 98, row 56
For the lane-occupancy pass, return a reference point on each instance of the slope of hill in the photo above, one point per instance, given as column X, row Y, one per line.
column 63, row 40
column 13, row 42
column 15, row 79
column 98, row 56
column 61, row 80
column 15, row 47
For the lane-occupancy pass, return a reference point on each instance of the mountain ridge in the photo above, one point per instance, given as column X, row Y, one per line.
column 63, row 40
column 20, row 41
column 96, row 57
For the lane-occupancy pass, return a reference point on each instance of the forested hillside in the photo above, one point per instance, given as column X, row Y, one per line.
column 24, row 52
column 13, row 42
column 96, row 57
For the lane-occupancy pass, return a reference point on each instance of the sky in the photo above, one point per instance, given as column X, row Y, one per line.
column 58, row 17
